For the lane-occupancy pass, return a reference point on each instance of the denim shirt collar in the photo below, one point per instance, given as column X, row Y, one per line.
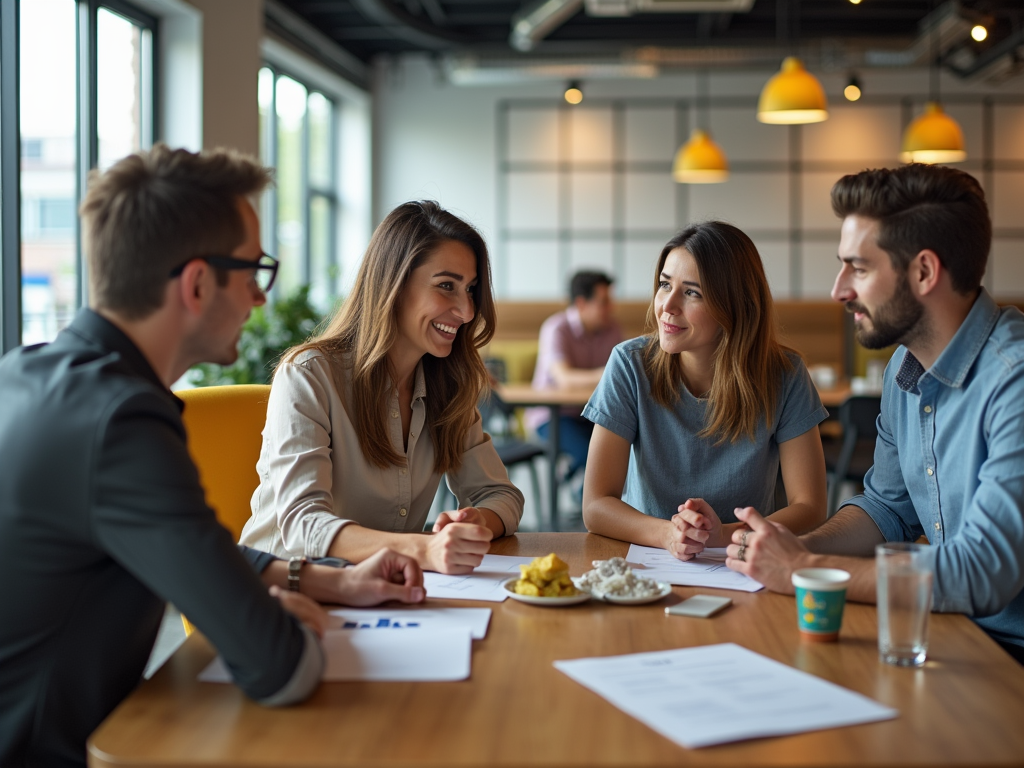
column 956, row 360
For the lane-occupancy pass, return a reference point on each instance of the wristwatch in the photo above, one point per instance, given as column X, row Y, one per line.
column 294, row 568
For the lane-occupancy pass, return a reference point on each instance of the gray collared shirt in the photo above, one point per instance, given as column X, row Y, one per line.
column 949, row 463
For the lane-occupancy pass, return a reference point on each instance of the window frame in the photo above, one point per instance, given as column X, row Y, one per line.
column 86, row 139
column 270, row 157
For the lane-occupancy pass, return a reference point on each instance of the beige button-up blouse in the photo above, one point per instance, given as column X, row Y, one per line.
column 314, row 479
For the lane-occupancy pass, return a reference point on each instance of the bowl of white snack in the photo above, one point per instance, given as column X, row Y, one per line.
column 613, row 581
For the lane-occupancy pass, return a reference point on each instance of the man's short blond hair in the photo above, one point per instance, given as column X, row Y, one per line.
column 155, row 210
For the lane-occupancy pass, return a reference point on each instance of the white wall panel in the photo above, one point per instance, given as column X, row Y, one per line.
column 532, row 270
column 1009, row 132
column 741, row 137
column 856, row 132
column 775, row 257
column 650, row 133
column 533, row 200
column 589, row 254
column 748, row 200
column 590, row 134
column 1007, row 204
column 819, row 267
column 590, row 204
column 816, row 199
column 970, row 118
column 650, row 201
column 1006, row 265
column 533, row 134
column 637, row 280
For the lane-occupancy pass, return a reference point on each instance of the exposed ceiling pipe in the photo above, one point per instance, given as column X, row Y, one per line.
column 404, row 26
column 1000, row 62
column 287, row 25
column 536, row 20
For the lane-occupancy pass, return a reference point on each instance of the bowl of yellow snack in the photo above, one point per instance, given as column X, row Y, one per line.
column 545, row 581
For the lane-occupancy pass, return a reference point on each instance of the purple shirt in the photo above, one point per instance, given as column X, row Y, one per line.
column 563, row 339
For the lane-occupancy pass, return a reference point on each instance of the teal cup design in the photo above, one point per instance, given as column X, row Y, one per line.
column 820, row 597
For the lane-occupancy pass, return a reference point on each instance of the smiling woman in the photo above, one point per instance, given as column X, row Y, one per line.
column 365, row 419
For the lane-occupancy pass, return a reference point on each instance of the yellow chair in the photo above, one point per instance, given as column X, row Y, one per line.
column 224, row 427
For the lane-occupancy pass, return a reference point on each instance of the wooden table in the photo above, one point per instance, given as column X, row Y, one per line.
column 963, row 707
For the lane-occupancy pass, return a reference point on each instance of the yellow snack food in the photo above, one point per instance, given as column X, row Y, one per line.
column 546, row 576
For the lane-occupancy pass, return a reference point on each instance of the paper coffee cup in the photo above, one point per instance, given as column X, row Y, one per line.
column 820, row 597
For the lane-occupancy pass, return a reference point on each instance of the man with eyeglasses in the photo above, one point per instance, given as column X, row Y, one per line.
column 102, row 517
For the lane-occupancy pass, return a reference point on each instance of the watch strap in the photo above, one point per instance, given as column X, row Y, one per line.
column 294, row 570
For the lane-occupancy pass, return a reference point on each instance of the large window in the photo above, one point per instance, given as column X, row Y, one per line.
column 86, row 100
column 297, row 137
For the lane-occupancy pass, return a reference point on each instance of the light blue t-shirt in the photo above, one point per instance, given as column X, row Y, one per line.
column 669, row 463
column 949, row 463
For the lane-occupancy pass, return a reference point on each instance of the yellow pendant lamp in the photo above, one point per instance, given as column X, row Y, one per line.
column 700, row 161
column 792, row 95
column 934, row 137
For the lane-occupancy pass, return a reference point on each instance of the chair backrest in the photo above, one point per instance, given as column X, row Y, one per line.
column 225, row 426
column 859, row 413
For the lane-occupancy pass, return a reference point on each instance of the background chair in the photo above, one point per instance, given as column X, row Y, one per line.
column 853, row 457
column 225, row 435
column 498, row 420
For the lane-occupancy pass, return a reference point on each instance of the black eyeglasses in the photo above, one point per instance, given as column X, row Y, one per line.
column 264, row 269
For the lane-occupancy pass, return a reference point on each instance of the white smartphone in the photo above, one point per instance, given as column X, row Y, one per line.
column 698, row 606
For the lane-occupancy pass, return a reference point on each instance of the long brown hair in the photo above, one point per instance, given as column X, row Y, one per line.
column 749, row 361
column 364, row 328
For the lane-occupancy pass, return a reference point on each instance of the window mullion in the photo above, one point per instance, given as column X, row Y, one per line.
column 10, row 183
column 87, row 128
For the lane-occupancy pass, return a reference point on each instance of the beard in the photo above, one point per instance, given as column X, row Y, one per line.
column 898, row 321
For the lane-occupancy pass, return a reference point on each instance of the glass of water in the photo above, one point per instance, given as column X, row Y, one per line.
column 904, row 601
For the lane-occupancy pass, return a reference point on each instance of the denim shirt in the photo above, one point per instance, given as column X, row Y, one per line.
column 949, row 463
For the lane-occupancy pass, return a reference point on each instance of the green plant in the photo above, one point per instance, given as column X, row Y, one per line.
column 270, row 331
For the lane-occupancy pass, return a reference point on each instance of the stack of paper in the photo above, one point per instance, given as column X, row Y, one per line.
column 708, row 569
column 402, row 644
column 719, row 693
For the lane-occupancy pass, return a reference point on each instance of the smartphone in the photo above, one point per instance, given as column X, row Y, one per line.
column 698, row 606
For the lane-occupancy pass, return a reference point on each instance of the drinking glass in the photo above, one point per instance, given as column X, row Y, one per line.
column 904, row 601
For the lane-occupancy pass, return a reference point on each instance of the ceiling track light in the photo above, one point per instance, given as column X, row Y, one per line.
column 574, row 92
column 793, row 95
column 979, row 32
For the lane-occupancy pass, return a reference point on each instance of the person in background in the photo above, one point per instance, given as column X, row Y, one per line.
column 366, row 418
column 572, row 351
column 949, row 456
column 102, row 517
column 695, row 419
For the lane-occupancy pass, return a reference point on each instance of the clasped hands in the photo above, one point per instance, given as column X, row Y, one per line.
column 766, row 551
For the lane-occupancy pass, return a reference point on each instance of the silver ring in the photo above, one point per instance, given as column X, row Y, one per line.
column 740, row 555
column 743, row 538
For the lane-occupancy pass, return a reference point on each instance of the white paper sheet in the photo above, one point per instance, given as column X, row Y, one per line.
column 476, row 619
column 407, row 654
column 706, row 570
column 484, row 583
column 720, row 693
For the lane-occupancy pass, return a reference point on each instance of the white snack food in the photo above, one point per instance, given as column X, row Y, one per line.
column 614, row 577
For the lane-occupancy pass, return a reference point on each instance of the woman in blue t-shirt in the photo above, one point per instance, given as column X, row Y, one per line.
column 694, row 421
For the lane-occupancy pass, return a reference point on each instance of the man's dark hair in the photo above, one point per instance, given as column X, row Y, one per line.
column 921, row 207
column 584, row 284
column 155, row 210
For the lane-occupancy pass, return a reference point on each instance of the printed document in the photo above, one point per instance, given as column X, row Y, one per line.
column 708, row 569
column 475, row 619
column 715, row 694
column 484, row 583
column 396, row 654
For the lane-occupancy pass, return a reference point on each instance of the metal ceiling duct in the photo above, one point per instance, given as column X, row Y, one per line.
column 535, row 21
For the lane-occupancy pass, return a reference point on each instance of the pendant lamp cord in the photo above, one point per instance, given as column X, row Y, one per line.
column 933, row 79
column 703, row 107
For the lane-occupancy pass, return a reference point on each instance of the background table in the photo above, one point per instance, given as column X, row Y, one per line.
column 963, row 708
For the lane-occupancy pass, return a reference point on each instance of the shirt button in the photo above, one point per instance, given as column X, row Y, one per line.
column 394, row 414
column 938, row 526
column 403, row 512
column 403, row 471
column 927, row 409
column 931, row 471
